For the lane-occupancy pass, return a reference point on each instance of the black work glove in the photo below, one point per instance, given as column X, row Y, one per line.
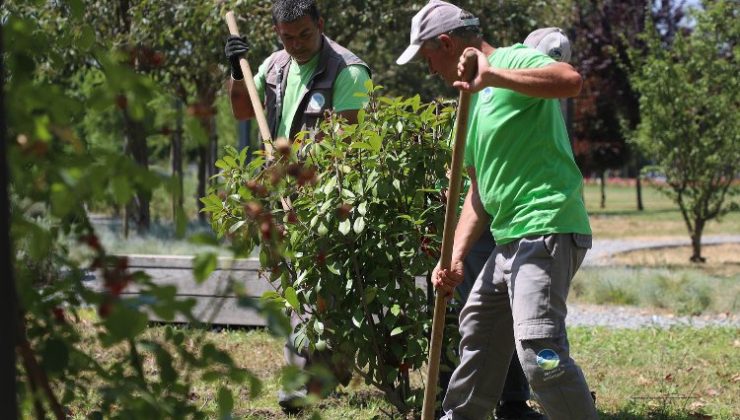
column 234, row 49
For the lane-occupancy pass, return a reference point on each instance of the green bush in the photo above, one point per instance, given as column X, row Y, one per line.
column 363, row 221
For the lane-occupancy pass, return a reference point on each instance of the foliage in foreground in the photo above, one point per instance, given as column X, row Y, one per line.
column 688, row 108
column 359, row 220
column 56, row 173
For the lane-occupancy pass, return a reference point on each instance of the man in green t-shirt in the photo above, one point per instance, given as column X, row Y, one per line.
column 311, row 75
column 525, row 188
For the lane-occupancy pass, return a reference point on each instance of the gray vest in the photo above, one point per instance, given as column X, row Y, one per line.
column 318, row 95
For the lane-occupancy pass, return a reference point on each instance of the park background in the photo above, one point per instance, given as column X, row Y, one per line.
column 117, row 116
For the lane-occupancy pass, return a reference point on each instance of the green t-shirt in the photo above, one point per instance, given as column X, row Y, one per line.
column 350, row 80
column 527, row 177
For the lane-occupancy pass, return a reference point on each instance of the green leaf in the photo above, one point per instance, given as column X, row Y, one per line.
column 357, row 319
column 333, row 268
column 231, row 162
column 292, row 298
column 395, row 309
column 361, row 145
column 322, row 230
column 375, row 141
column 359, row 225
column 318, row 326
column 203, row 239
column 203, row 265
column 345, row 226
column 125, row 323
column 397, row 330
column 370, row 294
column 236, row 226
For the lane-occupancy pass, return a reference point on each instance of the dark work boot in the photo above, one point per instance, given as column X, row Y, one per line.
column 517, row 410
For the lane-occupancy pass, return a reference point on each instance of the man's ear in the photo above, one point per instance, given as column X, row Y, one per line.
column 321, row 24
column 446, row 42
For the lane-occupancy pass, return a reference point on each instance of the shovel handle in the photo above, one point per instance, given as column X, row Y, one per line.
column 254, row 96
column 448, row 237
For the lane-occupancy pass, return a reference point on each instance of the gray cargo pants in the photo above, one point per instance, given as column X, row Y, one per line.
column 518, row 301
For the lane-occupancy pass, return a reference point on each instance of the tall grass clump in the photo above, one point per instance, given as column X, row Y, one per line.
column 686, row 293
column 681, row 291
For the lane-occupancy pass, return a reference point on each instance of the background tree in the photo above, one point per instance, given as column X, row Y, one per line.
column 689, row 110
column 7, row 289
column 602, row 32
column 378, row 31
column 191, row 36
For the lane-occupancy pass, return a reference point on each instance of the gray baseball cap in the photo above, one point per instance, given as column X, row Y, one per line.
column 550, row 41
column 436, row 18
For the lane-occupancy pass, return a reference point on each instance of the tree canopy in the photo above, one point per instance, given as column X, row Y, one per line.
column 689, row 114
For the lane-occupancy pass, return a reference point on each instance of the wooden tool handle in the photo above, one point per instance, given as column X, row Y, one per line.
column 254, row 96
column 448, row 238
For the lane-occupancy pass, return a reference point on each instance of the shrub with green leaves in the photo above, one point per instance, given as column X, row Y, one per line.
column 344, row 224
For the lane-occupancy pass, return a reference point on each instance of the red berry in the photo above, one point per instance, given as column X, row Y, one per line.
column 59, row 315
column 121, row 101
column 105, row 309
column 343, row 211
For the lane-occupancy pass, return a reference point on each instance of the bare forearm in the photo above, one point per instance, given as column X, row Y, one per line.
column 473, row 221
column 241, row 105
column 557, row 80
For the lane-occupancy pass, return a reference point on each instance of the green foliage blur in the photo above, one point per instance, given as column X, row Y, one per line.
column 59, row 73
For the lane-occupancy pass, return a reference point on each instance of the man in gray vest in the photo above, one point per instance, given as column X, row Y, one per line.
column 312, row 74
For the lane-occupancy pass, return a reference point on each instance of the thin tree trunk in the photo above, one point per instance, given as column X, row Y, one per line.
column 602, row 178
column 202, row 158
column 696, row 241
column 638, row 189
column 207, row 164
column 176, row 158
column 136, row 146
column 9, row 314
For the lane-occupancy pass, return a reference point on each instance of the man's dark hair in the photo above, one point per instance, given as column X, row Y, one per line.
column 292, row 10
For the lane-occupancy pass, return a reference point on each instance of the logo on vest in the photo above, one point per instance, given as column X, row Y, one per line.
column 316, row 103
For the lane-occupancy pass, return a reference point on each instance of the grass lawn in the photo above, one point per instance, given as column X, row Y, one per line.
column 660, row 217
column 680, row 373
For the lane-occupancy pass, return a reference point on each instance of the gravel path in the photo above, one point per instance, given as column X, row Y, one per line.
column 630, row 317
column 603, row 249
